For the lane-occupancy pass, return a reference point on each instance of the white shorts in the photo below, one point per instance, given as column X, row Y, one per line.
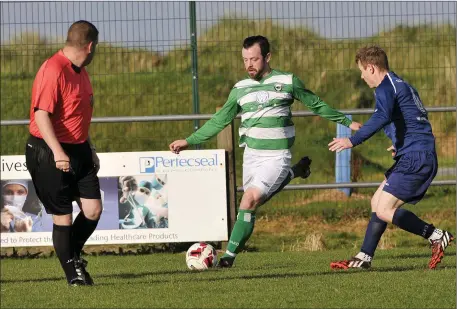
column 265, row 169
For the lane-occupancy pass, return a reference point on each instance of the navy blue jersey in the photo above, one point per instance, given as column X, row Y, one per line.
column 400, row 112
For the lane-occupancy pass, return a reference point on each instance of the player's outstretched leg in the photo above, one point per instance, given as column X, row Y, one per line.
column 439, row 239
column 408, row 221
column 253, row 198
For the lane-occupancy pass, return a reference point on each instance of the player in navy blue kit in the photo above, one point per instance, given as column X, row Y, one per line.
column 399, row 111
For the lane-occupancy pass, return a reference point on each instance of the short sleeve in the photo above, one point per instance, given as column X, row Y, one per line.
column 47, row 89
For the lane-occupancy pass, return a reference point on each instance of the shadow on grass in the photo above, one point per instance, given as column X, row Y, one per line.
column 235, row 276
column 274, row 276
column 120, row 276
column 414, row 255
column 127, row 276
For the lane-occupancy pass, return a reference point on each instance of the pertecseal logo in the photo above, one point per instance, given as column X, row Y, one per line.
column 166, row 164
column 147, row 165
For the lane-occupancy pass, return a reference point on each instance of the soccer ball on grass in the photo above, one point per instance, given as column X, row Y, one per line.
column 201, row 256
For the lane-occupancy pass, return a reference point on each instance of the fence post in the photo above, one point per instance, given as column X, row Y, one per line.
column 225, row 141
column 194, row 56
column 343, row 159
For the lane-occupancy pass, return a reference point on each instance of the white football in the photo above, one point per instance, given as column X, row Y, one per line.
column 201, row 256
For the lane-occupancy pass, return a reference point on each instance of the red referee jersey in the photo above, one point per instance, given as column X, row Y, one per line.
column 67, row 95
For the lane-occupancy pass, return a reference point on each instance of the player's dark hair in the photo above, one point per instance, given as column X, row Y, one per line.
column 374, row 55
column 81, row 33
column 258, row 39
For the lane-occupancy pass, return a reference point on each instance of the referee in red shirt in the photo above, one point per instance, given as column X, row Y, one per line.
column 60, row 157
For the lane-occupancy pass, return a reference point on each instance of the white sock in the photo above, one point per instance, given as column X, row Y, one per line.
column 230, row 253
column 437, row 234
column 364, row 257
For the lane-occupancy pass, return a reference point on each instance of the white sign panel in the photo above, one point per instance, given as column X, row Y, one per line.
column 186, row 200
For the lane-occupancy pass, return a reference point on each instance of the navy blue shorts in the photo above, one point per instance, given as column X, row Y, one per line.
column 411, row 175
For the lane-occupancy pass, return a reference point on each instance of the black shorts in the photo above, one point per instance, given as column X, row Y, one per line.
column 57, row 189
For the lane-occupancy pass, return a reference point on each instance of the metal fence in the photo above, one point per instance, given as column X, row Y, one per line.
column 157, row 60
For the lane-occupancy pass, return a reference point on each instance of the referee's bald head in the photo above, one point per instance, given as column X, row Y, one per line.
column 81, row 33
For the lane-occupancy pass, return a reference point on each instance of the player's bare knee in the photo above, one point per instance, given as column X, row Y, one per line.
column 248, row 203
column 385, row 213
column 97, row 212
column 252, row 198
column 94, row 213
column 92, row 209
column 387, row 204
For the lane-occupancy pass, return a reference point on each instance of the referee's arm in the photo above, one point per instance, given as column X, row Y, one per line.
column 47, row 132
column 43, row 107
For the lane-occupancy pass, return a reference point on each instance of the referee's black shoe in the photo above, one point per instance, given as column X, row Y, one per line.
column 80, row 265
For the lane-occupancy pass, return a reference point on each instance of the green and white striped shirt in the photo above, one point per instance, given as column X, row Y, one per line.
column 265, row 106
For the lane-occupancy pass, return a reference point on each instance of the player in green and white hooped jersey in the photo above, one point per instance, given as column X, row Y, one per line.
column 267, row 133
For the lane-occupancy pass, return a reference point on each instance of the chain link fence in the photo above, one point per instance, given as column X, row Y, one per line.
column 144, row 66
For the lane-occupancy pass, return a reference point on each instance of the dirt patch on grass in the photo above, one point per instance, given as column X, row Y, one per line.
column 297, row 225
column 331, row 195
